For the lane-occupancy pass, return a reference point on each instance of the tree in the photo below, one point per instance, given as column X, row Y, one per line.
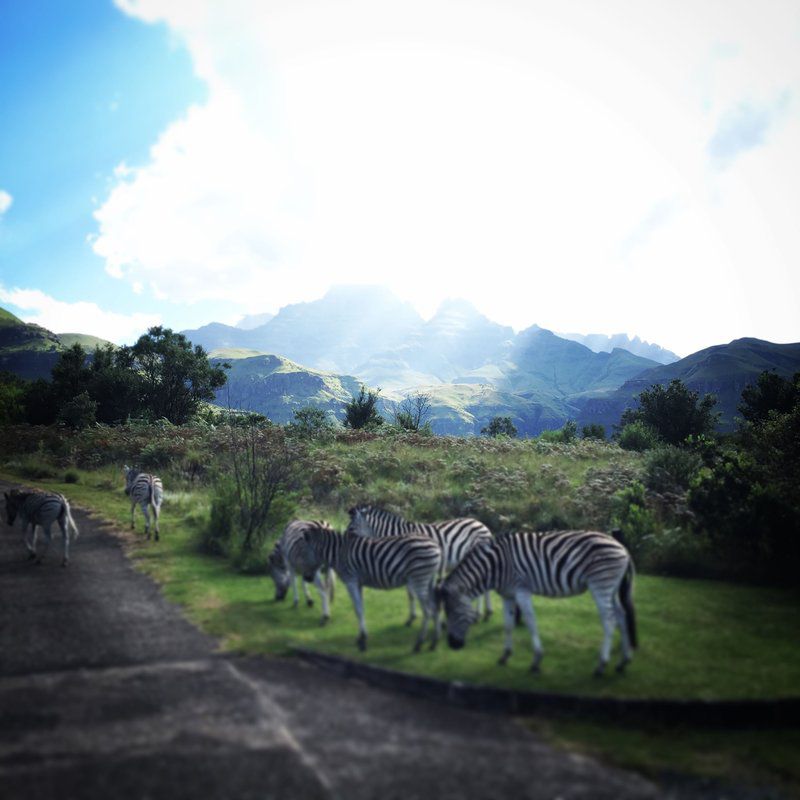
column 500, row 426
column 413, row 413
column 80, row 412
column 174, row 378
column 12, row 398
column 674, row 412
column 310, row 422
column 769, row 393
column 362, row 411
column 113, row 385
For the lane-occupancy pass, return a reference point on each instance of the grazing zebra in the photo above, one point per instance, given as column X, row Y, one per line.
column 290, row 557
column 41, row 508
column 387, row 563
column 557, row 564
column 148, row 492
column 455, row 537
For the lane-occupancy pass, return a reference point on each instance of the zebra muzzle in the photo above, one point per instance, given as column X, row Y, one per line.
column 454, row 642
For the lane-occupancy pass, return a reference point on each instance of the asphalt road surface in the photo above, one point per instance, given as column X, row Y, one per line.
column 106, row 691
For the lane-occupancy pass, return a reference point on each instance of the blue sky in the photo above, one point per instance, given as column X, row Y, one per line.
column 631, row 166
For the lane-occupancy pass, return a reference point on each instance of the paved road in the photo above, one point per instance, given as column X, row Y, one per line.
column 106, row 691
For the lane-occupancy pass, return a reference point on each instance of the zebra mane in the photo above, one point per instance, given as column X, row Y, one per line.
column 476, row 572
column 375, row 511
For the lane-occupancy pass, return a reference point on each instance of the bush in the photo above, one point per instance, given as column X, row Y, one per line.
column 633, row 517
column 594, row 431
column 362, row 411
column 637, row 436
column 311, row 423
column 500, row 426
column 80, row 412
column 71, row 476
column 564, row 435
column 671, row 469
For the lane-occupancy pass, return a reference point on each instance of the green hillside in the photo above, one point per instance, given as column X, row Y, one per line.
column 276, row 387
column 28, row 351
column 86, row 341
column 723, row 370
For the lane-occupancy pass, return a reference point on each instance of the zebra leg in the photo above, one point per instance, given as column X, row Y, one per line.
column 425, row 596
column 323, row 596
column 487, row 600
column 146, row 520
column 47, row 537
column 309, row 600
column 412, row 612
column 509, row 608
column 29, row 535
column 358, row 606
column 62, row 523
column 622, row 624
column 133, row 508
column 156, row 512
column 295, row 596
column 523, row 601
column 605, row 608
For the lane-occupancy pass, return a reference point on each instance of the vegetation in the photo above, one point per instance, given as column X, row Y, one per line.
column 413, row 413
column 500, row 426
column 674, row 412
column 362, row 411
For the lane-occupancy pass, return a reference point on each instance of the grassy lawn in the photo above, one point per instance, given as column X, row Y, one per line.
column 698, row 639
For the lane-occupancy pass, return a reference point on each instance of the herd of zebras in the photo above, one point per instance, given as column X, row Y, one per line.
column 442, row 565
column 451, row 563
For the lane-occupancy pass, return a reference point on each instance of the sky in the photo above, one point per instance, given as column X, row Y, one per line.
column 631, row 166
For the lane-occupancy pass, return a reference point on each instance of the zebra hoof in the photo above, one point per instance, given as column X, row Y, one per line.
column 310, row 603
column 362, row 643
column 324, row 621
column 535, row 669
column 621, row 667
column 504, row 659
column 410, row 622
column 599, row 671
column 31, row 556
column 65, row 562
column 417, row 647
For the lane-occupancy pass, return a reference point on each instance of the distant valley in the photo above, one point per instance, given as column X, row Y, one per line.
column 319, row 353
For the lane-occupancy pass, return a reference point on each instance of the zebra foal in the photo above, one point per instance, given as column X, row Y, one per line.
column 147, row 492
column 290, row 557
column 411, row 561
column 455, row 538
column 43, row 509
column 557, row 564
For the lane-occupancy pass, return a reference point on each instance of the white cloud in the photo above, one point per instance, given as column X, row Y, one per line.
column 5, row 201
column 88, row 318
column 525, row 155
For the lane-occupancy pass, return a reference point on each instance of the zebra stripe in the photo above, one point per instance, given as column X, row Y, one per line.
column 290, row 558
column 387, row 563
column 556, row 564
column 147, row 492
column 455, row 537
column 43, row 509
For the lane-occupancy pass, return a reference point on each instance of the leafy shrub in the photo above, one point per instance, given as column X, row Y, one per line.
column 637, row 436
column 362, row 411
column 564, row 435
column 71, row 476
column 671, row 469
column 80, row 412
column 500, row 426
column 633, row 517
column 311, row 423
column 594, row 430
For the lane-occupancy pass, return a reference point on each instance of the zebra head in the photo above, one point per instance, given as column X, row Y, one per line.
column 459, row 612
column 361, row 519
column 279, row 572
column 130, row 477
column 13, row 502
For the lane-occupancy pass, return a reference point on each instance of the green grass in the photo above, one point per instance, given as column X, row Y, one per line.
column 760, row 758
column 699, row 639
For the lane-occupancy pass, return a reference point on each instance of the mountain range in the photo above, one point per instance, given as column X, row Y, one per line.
column 472, row 368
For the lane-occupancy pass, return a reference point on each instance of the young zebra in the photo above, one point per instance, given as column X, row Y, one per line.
column 146, row 491
column 290, row 558
column 41, row 508
column 455, row 537
column 387, row 563
column 557, row 564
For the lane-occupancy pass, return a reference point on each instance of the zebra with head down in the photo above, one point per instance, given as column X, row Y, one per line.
column 43, row 509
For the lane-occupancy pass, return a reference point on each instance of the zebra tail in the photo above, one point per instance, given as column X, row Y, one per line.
column 626, row 598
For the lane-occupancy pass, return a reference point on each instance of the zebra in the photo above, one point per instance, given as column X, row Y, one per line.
column 41, row 508
column 386, row 563
column 556, row 564
column 290, row 557
column 455, row 537
column 148, row 492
